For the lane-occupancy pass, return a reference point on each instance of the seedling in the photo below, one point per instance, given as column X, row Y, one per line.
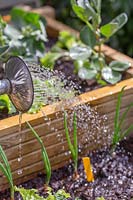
column 73, row 147
column 6, row 170
column 118, row 122
column 44, row 155
column 89, row 63
column 93, row 63
column 28, row 194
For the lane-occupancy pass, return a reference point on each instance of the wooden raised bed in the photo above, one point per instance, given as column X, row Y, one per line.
column 104, row 99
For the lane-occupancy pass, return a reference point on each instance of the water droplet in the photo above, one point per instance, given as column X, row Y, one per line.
column 20, row 171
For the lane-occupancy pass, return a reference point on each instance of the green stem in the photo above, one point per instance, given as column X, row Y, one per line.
column 99, row 49
column 12, row 193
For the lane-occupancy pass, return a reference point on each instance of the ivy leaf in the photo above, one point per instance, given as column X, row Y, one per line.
column 80, row 52
column 84, row 73
column 109, row 29
column 88, row 37
column 111, row 76
column 119, row 66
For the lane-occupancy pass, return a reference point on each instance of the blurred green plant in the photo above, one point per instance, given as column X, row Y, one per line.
column 28, row 194
column 24, row 36
column 118, row 134
column 6, row 105
column 4, row 46
column 100, row 198
column 94, row 34
column 6, row 170
column 73, row 147
column 121, row 40
column 88, row 63
column 44, row 155
column 64, row 43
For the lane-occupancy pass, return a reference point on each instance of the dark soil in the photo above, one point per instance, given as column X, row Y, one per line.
column 113, row 177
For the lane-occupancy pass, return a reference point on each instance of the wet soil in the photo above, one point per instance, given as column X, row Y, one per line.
column 113, row 172
column 113, row 177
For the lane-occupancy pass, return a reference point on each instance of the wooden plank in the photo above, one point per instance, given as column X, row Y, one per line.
column 36, row 167
column 53, row 140
column 94, row 97
column 109, row 104
column 50, row 138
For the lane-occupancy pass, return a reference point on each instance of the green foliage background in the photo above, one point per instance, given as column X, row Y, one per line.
column 122, row 41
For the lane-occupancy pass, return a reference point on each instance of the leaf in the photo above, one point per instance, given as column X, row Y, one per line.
column 12, row 32
column 4, row 102
column 80, row 52
column 126, row 132
column 109, row 29
column 44, row 154
column 61, row 193
column 28, row 194
column 81, row 13
column 84, row 11
column 116, row 134
column 111, row 76
column 5, row 172
column 95, row 64
column 87, row 73
column 77, row 65
column 71, row 147
column 100, row 198
column 6, row 167
column 81, row 3
column 66, row 40
column 97, row 5
column 49, row 59
column 119, row 66
column 3, row 49
column 88, row 37
column 23, row 18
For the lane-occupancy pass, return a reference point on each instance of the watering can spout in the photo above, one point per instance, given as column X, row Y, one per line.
column 18, row 84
